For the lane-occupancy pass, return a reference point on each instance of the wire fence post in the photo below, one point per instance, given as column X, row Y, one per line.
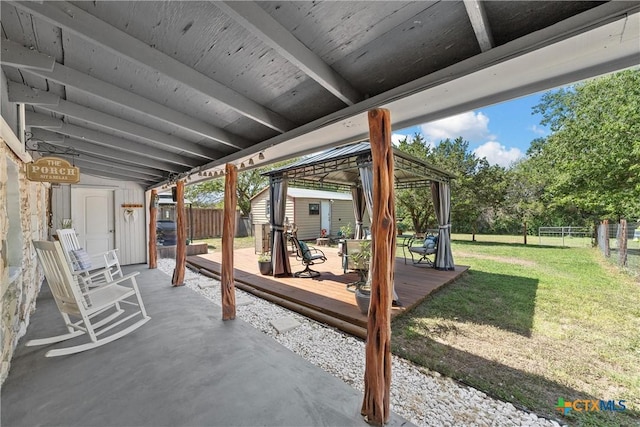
column 622, row 243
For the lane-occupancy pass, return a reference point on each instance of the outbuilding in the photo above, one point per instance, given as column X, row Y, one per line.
column 310, row 210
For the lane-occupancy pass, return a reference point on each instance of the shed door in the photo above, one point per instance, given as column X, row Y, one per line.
column 92, row 213
column 325, row 215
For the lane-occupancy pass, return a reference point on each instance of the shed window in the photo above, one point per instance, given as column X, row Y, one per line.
column 314, row 208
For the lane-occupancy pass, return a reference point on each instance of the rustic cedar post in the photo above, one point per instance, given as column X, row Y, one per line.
column 228, row 233
column 153, row 216
column 524, row 232
column 181, row 237
column 377, row 375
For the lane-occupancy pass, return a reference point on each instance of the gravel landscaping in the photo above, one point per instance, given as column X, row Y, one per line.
column 421, row 396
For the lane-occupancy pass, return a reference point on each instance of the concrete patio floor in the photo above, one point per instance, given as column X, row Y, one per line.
column 184, row 367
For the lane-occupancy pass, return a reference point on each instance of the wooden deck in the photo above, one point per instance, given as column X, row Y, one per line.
column 326, row 298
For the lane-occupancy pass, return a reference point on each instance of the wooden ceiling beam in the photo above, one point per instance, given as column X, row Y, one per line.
column 86, row 26
column 166, row 142
column 84, row 146
column 37, row 120
column 33, row 119
column 91, row 165
column 255, row 19
column 90, row 169
column 127, row 128
column 16, row 55
column 120, row 126
column 72, row 78
column 22, row 94
column 107, row 140
column 480, row 23
column 125, row 145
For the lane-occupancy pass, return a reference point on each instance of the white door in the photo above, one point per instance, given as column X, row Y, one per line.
column 92, row 215
column 325, row 215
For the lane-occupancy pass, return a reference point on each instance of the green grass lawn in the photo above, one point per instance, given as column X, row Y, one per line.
column 531, row 324
column 215, row 243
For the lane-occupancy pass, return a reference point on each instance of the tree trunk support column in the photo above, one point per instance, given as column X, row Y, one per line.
column 377, row 374
column 153, row 219
column 181, row 237
column 227, row 281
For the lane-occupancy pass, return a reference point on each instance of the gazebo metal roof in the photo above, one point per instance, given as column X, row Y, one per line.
column 338, row 168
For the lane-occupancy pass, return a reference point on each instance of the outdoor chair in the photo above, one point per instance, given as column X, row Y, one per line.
column 308, row 255
column 98, row 310
column 82, row 264
column 421, row 251
column 292, row 232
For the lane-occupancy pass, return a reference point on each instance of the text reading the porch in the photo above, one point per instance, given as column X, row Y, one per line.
column 53, row 169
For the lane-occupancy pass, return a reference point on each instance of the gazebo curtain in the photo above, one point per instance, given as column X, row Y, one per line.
column 278, row 200
column 358, row 210
column 366, row 178
column 441, row 195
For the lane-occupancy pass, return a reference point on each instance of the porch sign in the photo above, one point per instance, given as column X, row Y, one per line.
column 53, row 169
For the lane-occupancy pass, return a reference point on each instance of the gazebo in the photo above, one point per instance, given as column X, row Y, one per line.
column 349, row 167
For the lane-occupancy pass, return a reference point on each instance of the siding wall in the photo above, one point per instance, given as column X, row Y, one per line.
column 308, row 225
column 259, row 209
column 298, row 212
column 130, row 236
column 342, row 214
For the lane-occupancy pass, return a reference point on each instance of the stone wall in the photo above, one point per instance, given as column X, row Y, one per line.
column 23, row 217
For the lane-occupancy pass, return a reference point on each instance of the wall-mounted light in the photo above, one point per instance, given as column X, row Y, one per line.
column 251, row 162
column 261, row 156
column 242, row 165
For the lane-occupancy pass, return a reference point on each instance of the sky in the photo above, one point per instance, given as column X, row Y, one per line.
column 502, row 133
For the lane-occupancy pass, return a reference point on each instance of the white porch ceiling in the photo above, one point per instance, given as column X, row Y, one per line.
column 183, row 87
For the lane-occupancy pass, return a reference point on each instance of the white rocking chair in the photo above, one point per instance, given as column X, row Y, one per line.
column 71, row 301
column 81, row 263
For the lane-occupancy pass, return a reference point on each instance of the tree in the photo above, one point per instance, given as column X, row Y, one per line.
column 524, row 196
column 416, row 202
column 489, row 188
column 455, row 157
column 250, row 182
column 477, row 191
column 206, row 194
column 592, row 158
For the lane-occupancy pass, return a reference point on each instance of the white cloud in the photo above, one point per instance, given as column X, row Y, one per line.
column 538, row 130
column 498, row 154
column 396, row 138
column 470, row 126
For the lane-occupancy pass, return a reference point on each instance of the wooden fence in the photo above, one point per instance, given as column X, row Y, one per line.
column 205, row 223
column 208, row 223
